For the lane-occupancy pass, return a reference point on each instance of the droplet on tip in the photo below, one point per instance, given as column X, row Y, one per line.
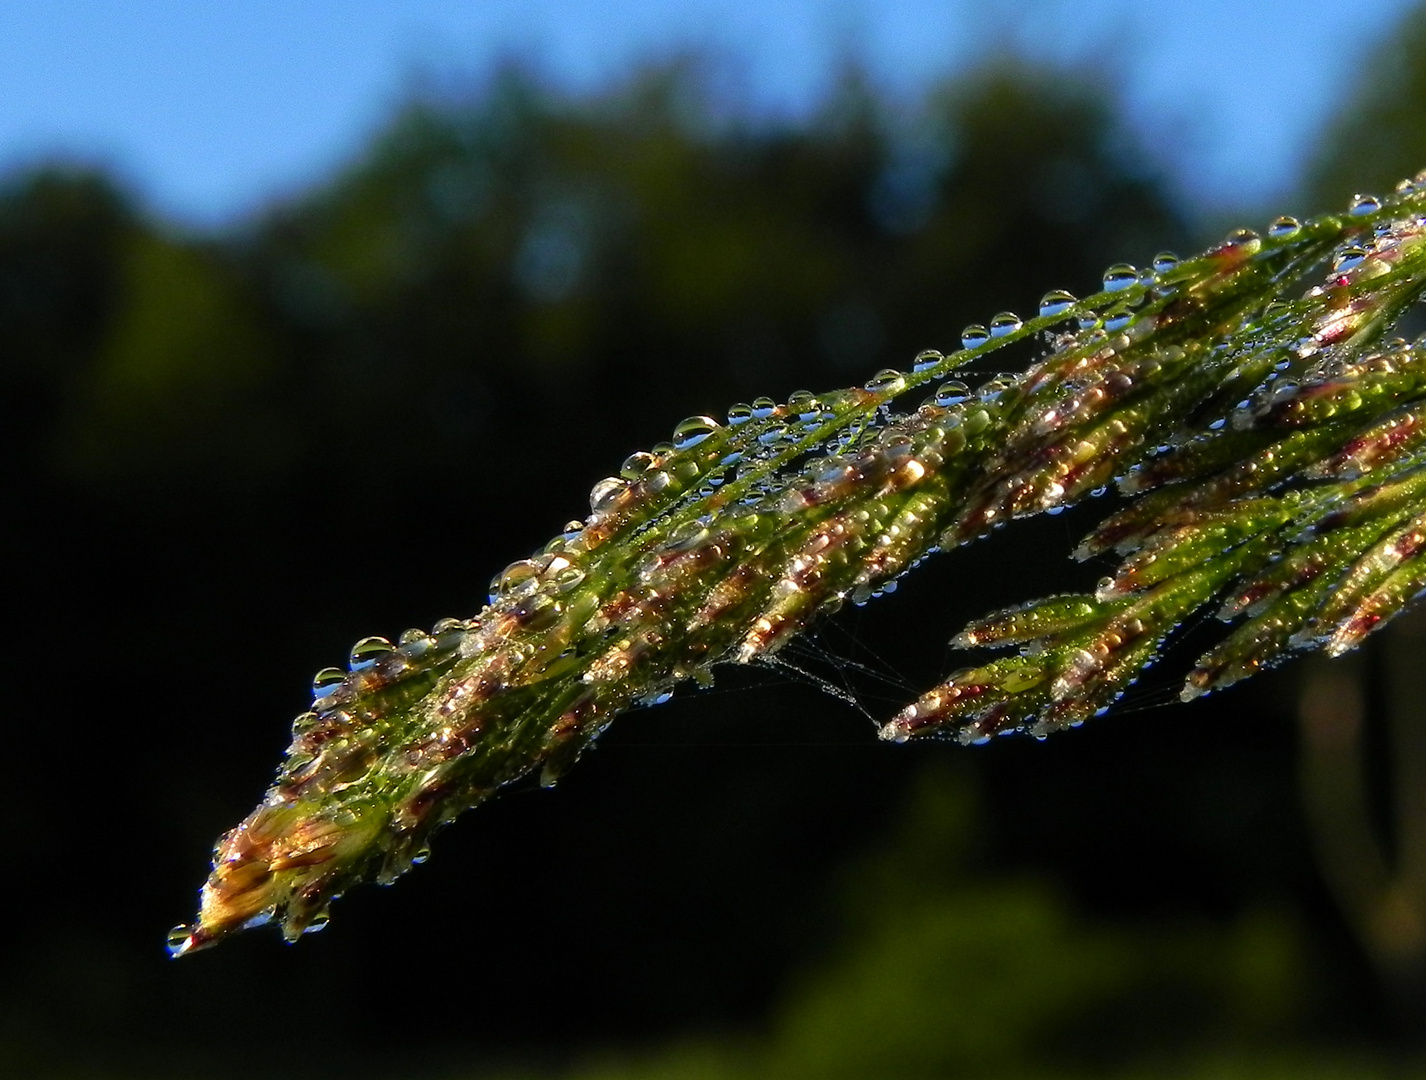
column 180, row 940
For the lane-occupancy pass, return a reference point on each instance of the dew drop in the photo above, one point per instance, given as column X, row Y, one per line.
column 927, row 359
column 693, row 431
column 1165, row 261
column 804, row 404
column 635, row 465
column 326, row 680
column 1284, row 228
column 1120, row 276
column 603, row 494
column 568, row 578
column 179, row 939
column 886, row 381
column 740, row 414
column 974, row 335
column 368, row 651
column 1348, row 259
column 1007, row 322
column 1117, row 319
column 421, row 855
column 514, row 576
column 317, row 923
column 1364, row 204
column 1056, row 302
column 952, row 393
column 764, row 407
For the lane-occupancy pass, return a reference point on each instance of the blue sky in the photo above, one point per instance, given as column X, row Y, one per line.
column 209, row 108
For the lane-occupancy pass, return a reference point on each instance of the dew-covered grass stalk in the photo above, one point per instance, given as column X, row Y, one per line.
column 1271, row 438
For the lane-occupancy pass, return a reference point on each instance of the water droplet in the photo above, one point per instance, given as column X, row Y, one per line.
column 635, row 465
column 1118, row 319
column 446, row 626
column 687, row 536
column 803, row 404
column 603, row 494
column 1165, row 261
column 1120, row 276
column 368, row 651
column 1348, row 259
column 317, row 923
column 1284, row 228
column 327, row 680
column 886, row 381
column 421, row 855
column 1007, row 322
column 179, row 939
column 927, row 359
column 764, row 407
column 952, row 393
column 740, row 413
column 1056, row 302
column 974, row 335
column 693, row 431
column 568, row 578
column 1364, row 204
column 517, row 574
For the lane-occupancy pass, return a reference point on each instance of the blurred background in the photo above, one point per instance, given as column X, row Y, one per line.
column 316, row 316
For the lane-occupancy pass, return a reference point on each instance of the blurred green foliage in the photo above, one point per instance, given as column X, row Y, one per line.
column 232, row 455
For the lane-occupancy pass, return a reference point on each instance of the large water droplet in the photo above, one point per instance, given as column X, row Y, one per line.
column 603, row 494
column 927, row 359
column 1284, row 228
column 1120, row 276
column 974, row 335
column 693, row 431
column 886, row 381
column 1007, row 322
column 368, row 651
column 327, row 680
column 1364, row 204
column 764, row 407
column 1165, row 261
column 1056, row 302
column 740, row 413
